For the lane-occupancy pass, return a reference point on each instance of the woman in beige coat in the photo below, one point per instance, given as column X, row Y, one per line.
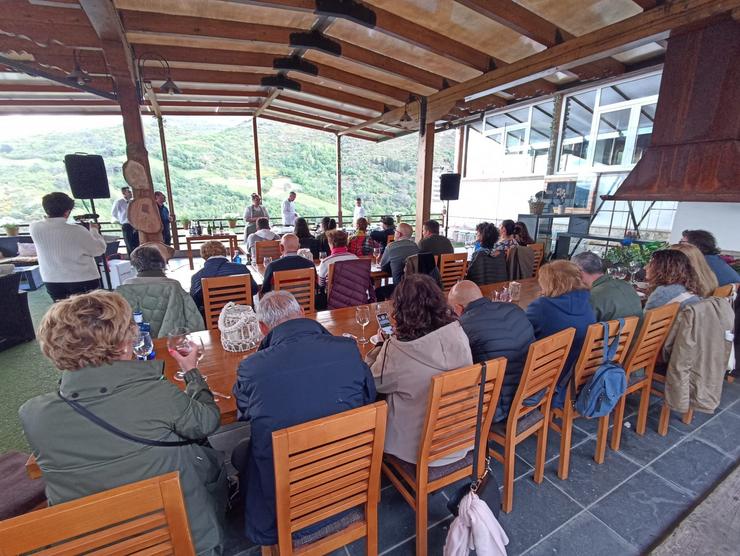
column 428, row 340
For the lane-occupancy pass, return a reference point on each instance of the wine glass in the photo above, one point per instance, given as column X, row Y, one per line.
column 266, row 261
column 634, row 267
column 322, row 255
column 143, row 345
column 376, row 254
column 362, row 316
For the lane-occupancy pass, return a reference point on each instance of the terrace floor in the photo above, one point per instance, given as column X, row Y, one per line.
column 625, row 506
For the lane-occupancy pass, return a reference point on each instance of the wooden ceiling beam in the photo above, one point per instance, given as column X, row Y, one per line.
column 318, row 118
column 272, row 96
column 310, row 126
column 225, row 57
column 185, row 25
column 22, row 11
column 318, row 106
column 205, row 113
column 51, row 36
column 164, row 102
column 33, row 102
column 626, row 34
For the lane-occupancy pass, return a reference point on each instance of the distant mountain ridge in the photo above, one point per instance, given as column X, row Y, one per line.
column 213, row 172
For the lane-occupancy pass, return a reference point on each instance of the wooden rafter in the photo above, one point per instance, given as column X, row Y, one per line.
column 311, row 126
column 323, row 119
column 272, row 96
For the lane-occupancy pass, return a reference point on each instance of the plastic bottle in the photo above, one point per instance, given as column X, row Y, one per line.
column 146, row 327
column 138, row 318
column 238, row 258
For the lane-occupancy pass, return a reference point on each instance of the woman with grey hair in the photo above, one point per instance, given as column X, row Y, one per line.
column 165, row 305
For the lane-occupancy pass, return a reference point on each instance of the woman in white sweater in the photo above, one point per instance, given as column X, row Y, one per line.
column 66, row 252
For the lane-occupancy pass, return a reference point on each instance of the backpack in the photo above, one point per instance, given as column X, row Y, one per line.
column 602, row 392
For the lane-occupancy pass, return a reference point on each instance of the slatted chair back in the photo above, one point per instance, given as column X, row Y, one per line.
column 592, row 353
column 545, row 360
column 220, row 290
column 656, row 323
column 452, row 268
column 266, row 248
column 539, row 255
column 144, row 517
column 452, row 412
column 725, row 291
column 326, row 467
column 301, row 283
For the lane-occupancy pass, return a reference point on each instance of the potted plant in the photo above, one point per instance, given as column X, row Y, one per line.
column 232, row 221
column 536, row 204
column 11, row 229
column 560, row 194
column 185, row 221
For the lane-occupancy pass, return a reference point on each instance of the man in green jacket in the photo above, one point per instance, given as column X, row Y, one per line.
column 611, row 299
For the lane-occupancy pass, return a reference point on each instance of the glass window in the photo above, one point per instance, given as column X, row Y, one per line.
column 630, row 90
column 644, row 131
column 579, row 111
column 611, row 137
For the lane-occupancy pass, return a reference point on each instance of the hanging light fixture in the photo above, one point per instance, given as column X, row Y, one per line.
column 168, row 87
column 78, row 75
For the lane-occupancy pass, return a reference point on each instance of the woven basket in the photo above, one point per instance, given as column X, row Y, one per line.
column 239, row 328
column 536, row 207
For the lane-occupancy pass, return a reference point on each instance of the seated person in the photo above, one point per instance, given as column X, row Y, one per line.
column 494, row 329
column 506, row 236
column 432, row 242
column 263, row 233
column 671, row 279
column 163, row 302
column 565, row 303
column 289, row 260
column 428, row 340
column 707, row 244
column 521, row 234
column 216, row 264
column 479, row 234
column 706, row 276
column 327, row 225
column 389, row 229
column 361, row 244
column 305, row 237
column 89, row 338
column 487, row 265
column 338, row 245
column 610, row 298
column 394, row 257
column 300, row 372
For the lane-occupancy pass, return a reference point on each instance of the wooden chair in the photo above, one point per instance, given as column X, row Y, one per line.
column 452, row 268
column 218, row 291
column 267, row 248
column 326, row 467
column 390, row 239
column 590, row 359
column 545, row 361
column 449, row 427
column 539, row 256
column 725, row 291
column 301, row 283
column 144, row 517
column 644, row 354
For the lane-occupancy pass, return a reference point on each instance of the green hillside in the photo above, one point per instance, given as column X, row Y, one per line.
column 212, row 167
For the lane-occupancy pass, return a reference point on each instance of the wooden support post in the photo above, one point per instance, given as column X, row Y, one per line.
column 257, row 156
column 168, row 183
column 339, row 181
column 460, row 150
column 425, row 160
column 552, row 153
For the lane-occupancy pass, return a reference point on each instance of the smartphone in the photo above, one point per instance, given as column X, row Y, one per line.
column 385, row 324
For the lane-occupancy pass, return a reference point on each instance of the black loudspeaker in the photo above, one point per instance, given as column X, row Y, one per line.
column 87, row 177
column 449, row 187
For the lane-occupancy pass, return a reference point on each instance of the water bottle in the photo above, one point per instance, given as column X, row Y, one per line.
column 146, row 327
column 238, row 259
column 138, row 318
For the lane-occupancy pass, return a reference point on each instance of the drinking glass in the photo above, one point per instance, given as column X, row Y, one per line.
column 143, row 345
column 266, row 261
column 634, row 267
column 515, row 291
column 376, row 254
column 362, row 316
column 179, row 341
column 322, row 255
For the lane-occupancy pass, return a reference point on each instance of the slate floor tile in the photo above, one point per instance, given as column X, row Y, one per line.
column 643, row 508
column 584, row 535
column 675, row 420
column 724, row 432
column 527, row 450
column 735, row 408
column 730, row 393
column 587, row 480
column 644, row 449
column 435, row 542
column 521, row 468
column 538, row 510
column 693, row 465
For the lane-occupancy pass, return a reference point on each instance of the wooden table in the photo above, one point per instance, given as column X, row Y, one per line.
column 230, row 238
column 258, row 272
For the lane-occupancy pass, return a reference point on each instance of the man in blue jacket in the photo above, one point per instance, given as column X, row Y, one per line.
column 494, row 329
column 299, row 373
column 217, row 264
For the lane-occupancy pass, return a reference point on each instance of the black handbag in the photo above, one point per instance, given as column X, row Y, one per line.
column 478, row 483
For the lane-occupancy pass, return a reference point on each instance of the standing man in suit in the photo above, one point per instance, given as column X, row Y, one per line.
column 119, row 212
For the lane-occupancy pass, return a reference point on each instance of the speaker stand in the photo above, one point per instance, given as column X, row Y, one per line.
column 105, row 253
column 447, row 218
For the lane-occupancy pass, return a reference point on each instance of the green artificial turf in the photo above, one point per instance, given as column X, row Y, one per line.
column 24, row 373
